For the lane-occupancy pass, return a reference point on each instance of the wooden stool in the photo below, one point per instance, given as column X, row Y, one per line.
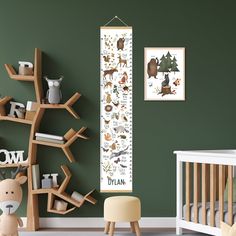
column 122, row 209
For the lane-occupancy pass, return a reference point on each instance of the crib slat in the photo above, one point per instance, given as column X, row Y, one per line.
column 221, row 191
column 230, row 195
column 204, row 194
column 212, row 194
column 188, row 189
column 196, row 190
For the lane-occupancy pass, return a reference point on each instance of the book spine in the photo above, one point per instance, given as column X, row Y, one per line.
column 50, row 140
column 35, row 177
column 50, row 136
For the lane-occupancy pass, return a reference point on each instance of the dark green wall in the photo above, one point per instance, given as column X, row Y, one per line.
column 68, row 34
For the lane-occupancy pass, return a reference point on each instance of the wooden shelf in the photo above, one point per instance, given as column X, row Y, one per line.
column 18, row 120
column 57, row 145
column 70, row 136
column 60, row 193
column 61, row 212
column 13, row 75
column 14, row 165
column 68, row 105
column 36, row 77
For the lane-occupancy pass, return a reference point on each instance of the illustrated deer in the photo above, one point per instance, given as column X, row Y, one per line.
column 122, row 61
column 10, row 199
column 109, row 72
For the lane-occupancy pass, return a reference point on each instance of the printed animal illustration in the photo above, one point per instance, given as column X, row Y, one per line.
column 107, row 137
column 109, row 72
column 54, row 94
column 108, row 98
column 166, row 81
column 10, row 199
column 115, row 89
column 126, row 89
column 108, row 84
column 120, row 129
column 106, row 121
column 117, row 161
column 105, row 150
column 124, row 78
column 116, row 103
column 122, row 61
column 106, row 58
column 115, row 116
column 124, row 118
column 120, row 43
column 123, row 166
column 113, row 146
column 108, row 108
column 117, row 154
column 152, row 68
column 176, row 82
column 122, row 136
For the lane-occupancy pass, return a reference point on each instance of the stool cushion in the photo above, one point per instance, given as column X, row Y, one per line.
column 122, row 209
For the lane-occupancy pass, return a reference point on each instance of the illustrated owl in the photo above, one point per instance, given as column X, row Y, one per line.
column 54, row 94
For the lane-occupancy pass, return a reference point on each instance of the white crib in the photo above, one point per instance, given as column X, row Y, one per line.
column 203, row 175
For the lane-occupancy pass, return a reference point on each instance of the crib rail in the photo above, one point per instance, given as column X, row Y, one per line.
column 206, row 183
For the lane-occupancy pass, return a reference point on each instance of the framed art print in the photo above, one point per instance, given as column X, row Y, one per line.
column 164, row 74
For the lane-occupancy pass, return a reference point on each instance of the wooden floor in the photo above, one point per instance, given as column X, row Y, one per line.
column 99, row 232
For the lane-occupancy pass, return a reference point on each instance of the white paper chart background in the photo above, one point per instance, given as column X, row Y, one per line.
column 116, row 109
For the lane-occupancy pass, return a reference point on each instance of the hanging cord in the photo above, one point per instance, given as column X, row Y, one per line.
column 115, row 17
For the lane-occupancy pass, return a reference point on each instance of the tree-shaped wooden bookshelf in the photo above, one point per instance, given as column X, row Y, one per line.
column 70, row 137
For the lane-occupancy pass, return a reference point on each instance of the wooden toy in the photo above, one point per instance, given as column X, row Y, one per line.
column 60, row 205
column 17, row 109
column 10, row 199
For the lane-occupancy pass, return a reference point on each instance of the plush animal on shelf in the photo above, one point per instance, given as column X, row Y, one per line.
column 54, row 94
column 10, row 199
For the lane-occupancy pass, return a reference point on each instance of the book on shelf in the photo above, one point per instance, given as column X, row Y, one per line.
column 49, row 136
column 35, row 177
column 50, row 140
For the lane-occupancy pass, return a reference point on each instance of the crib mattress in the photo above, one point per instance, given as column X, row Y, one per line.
column 217, row 213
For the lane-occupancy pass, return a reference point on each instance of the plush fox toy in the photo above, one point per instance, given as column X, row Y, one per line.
column 10, row 199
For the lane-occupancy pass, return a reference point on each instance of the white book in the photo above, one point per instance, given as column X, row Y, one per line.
column 50, row 140
column 36, row 176
column 50, row 136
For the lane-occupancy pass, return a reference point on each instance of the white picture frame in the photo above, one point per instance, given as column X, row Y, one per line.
column 164, row 74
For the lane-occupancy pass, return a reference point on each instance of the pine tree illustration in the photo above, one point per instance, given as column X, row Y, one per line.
column 163, row 65
column 174, row 65
column 168, row 60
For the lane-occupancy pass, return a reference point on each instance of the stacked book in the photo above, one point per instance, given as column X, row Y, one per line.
column 49, row 138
